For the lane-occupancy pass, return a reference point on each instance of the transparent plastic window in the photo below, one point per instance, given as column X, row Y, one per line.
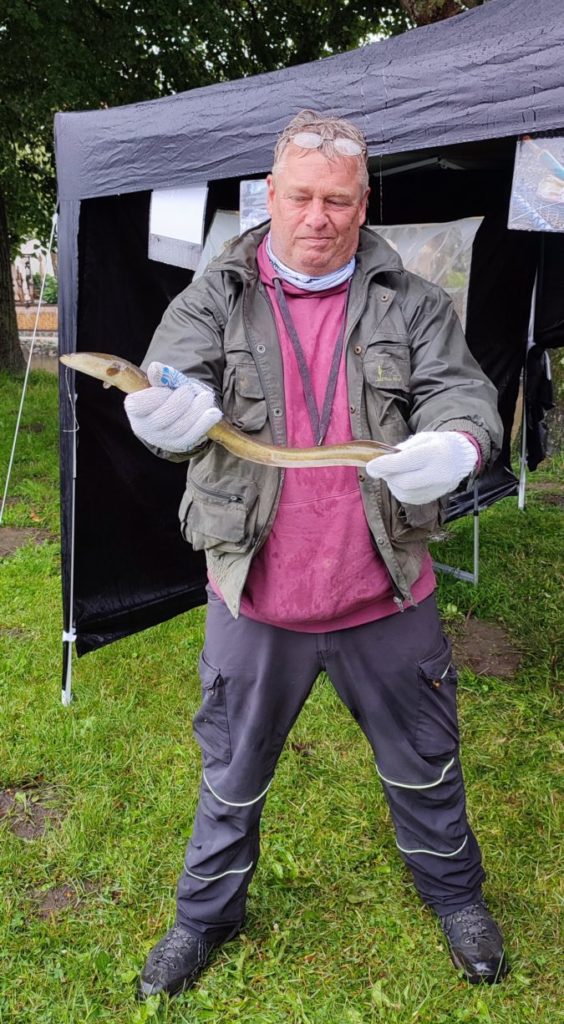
column 441, row 253
column 252, row 204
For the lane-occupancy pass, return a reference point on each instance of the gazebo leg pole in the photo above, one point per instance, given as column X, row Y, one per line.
column 476, row 517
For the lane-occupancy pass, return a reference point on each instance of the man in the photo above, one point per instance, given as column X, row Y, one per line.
column 309, row 331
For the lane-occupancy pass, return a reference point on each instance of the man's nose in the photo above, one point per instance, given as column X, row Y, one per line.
column 316, row 214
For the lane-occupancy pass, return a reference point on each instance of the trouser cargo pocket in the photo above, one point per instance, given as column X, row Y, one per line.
column 437, row 723
column 210, row 723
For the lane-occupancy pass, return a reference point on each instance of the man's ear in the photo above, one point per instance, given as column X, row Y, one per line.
column 364, row 209
column 269, row 192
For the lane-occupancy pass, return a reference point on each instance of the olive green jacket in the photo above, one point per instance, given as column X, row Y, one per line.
column 408, row 369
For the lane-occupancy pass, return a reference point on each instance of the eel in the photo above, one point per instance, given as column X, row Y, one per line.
column 120, row 373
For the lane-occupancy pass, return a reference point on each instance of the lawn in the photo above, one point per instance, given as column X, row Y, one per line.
column 96, row 801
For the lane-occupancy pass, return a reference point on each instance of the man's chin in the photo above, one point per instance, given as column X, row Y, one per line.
column 315, row 262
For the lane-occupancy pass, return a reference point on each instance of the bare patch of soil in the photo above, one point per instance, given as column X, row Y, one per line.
column 552, row 491
column 14, row 537
column 50, row 902
column 545, row 485
column 14, row 632
column 553, row 494
column 29, row 809
column 554, row 499
column 485, row 648
column 34, row 428
column 304, row 749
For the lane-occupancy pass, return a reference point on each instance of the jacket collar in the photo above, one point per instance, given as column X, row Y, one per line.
column 374, row 255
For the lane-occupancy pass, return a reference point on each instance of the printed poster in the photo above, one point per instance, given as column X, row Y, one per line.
column 537, row 194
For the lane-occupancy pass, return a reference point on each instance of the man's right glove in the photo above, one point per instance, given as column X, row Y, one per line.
column 175, row 413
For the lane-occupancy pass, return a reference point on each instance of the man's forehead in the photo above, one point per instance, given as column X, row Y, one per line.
column 310, row 168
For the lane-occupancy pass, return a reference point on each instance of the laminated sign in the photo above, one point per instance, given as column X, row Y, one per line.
column 537, row 193
column 176, row 225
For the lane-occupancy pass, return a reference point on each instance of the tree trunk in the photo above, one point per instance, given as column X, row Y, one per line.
column 11, row 358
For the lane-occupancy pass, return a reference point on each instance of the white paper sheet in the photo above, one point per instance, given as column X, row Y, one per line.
column 176, row 225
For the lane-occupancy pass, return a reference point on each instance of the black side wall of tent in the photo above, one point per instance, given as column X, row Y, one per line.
column 463, row 89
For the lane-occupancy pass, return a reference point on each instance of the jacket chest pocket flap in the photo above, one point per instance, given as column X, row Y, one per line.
column 244, row 399
column 386, row 370
column 387, row 366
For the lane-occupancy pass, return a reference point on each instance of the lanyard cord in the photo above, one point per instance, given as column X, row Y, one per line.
column 319, row 424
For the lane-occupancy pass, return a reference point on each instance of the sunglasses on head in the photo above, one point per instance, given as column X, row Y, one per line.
column 312, row 140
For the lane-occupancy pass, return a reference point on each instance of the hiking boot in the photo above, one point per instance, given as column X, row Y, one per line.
column 475, row 943
column 175, row 963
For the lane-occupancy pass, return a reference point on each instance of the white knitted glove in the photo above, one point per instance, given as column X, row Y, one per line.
column 426, row 466
column 175, row 413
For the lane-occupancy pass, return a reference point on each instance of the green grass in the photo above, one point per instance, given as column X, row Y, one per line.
column 335, row 931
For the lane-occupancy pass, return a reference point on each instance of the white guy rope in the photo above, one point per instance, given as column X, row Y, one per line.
column 28, row 367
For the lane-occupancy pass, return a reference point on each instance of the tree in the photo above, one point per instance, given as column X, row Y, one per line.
column 85, row 54
column 424, row 12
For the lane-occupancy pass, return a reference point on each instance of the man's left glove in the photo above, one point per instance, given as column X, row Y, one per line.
column 426, row 466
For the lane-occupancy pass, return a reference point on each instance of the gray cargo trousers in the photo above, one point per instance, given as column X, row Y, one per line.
column 396, row 678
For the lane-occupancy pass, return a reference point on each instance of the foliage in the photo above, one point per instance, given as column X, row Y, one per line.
column 105, row 52
column 335, row 933
column 65, row 55
column 50, row 288
column 424, row 12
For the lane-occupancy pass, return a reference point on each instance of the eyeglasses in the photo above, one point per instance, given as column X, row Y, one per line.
column 313, row 140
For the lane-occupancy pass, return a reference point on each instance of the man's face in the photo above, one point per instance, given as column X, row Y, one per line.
column 317, row 206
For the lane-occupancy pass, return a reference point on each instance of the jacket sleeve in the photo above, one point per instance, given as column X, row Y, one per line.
column 190, row 338
column 449, row 390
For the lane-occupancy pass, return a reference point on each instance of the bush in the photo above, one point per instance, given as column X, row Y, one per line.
column 50, row 291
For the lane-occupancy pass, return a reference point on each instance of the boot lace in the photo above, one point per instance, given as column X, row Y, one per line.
column 471, row 923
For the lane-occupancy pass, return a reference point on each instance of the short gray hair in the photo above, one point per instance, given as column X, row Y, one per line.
column 330, row 128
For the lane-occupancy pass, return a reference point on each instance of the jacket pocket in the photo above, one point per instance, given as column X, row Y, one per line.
column 387, row 365
column 243, row 397
column 437, row 722
column 408, row 524
column 413, row 522
column 210, row 723
column 222, row 518
column 386, row 370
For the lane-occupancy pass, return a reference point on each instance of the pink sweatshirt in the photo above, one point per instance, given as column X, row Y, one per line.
column 318, row 570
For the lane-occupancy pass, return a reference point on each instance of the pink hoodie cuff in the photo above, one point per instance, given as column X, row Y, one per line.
column 473, row 440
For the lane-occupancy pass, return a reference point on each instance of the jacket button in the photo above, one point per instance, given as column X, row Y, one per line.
column 261, row 348
column 361, row 477
column 358, row 350
column 380, row 541
column 384, row 297
column 352, row 408
column 277, row 412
